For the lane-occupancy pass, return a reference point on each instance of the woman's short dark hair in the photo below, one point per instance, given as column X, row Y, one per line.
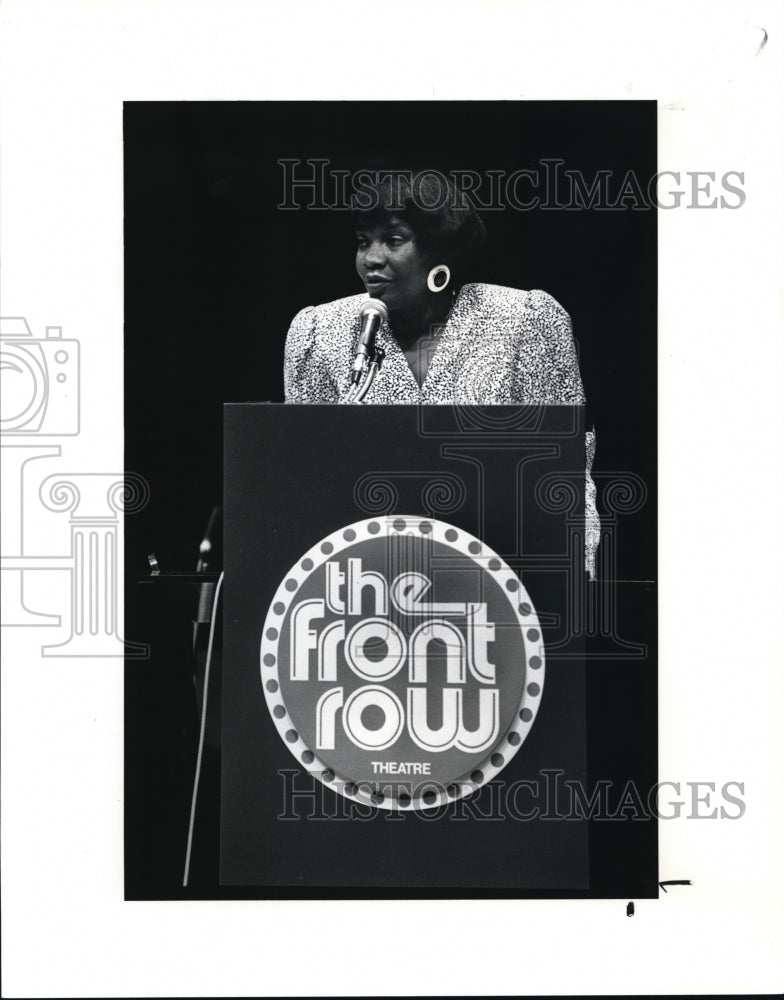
column 445, row 223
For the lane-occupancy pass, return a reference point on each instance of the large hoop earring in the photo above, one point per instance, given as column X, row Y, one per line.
column 435, row 273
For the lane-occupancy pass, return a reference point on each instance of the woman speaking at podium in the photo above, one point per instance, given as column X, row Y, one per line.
column 442, row 337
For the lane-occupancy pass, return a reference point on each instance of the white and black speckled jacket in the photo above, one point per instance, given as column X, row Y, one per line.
column 498, row 346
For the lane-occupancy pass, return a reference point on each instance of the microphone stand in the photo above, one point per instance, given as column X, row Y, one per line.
column 357, row 395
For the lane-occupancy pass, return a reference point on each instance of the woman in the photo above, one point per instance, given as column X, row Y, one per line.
column 446, row 340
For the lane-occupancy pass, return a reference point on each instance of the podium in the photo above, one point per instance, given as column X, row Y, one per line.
column 404, row 704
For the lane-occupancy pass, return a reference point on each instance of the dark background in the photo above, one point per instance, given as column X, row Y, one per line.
column 215, row 273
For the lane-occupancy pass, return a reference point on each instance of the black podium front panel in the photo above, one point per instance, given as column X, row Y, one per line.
column 403, row 674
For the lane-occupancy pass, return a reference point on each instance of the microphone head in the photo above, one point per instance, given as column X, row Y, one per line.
column 374, row 306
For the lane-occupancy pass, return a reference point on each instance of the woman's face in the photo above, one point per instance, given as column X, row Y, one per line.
column 391, row 265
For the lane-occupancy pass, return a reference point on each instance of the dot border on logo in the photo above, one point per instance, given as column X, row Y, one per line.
column 430, row 794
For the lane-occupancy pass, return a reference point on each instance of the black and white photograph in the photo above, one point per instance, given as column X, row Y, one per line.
column 245, row 226
column 390, row 438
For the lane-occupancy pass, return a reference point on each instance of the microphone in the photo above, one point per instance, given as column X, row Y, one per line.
column 372, row 314
column 211, row 542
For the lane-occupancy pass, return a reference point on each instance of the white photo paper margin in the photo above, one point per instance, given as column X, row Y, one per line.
column 716, row 70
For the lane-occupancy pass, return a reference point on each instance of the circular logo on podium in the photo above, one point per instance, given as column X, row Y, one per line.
column 402, row 662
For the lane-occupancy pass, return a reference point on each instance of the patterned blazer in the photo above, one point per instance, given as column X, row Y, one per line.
column 498, row 346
